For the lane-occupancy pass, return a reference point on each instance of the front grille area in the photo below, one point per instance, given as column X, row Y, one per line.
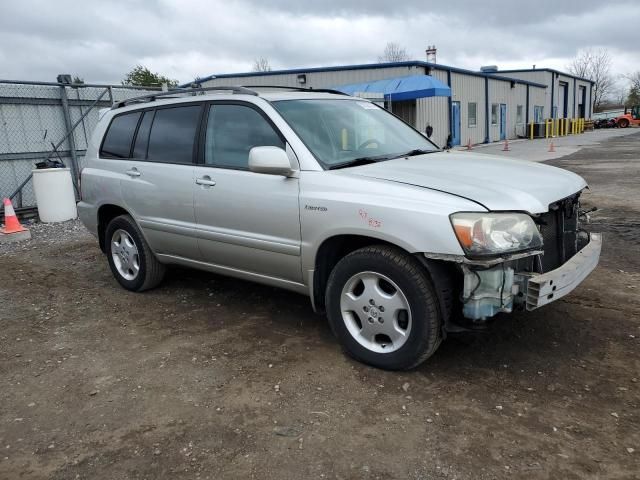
column 559, row 230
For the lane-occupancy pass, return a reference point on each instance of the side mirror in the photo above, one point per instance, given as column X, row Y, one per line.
column 270, row 160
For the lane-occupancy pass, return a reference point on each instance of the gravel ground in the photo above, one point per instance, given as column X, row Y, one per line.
column 210, row 377
column 47, row 234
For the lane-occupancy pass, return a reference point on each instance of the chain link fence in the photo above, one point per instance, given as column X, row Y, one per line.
column 41, row 120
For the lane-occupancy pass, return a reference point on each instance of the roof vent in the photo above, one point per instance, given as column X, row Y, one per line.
column 489, row 69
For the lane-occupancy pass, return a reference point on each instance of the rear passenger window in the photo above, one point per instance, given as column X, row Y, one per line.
column 142, row 138
column 117, row 141
column 233, row 130
column 173, row 134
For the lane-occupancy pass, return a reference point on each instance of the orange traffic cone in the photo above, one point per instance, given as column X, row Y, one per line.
column 12, row 230
column 552, row 148
column 469, row 145
column 506, row 146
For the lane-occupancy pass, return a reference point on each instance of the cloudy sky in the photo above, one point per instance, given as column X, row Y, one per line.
column 101, row 40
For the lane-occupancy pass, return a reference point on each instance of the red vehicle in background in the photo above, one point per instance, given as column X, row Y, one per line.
column 633, row 118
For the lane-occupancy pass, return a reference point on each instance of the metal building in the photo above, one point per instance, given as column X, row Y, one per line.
column 567, row 96
column 483, row 106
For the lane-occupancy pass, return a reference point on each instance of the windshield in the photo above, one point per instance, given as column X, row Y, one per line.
column 341, row 132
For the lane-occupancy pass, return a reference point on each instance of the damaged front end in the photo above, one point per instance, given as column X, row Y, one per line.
column 530, row 279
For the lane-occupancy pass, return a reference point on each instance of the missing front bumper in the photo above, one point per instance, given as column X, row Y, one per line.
column 491, row 290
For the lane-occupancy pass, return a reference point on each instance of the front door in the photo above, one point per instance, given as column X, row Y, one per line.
column 248, row 222
column 455, row 123
column 503, row 121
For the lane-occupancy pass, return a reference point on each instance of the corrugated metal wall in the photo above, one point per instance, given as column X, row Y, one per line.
column 328, row 79
column 540, row 97
column 435, row 112
column 547, row 78
column 468, row 89
column 511, row 96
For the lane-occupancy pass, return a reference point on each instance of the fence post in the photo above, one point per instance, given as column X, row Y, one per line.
column 69, row 130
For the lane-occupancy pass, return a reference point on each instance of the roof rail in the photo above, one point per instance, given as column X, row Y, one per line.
column 298, row 89
column 181, row 91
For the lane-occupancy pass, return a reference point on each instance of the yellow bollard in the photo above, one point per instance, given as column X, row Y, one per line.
column 546, row 128
column 531, row 130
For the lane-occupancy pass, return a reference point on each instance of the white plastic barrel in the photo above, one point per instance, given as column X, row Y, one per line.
column 53, row 189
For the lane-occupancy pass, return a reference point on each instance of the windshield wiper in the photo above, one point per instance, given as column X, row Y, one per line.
column 415, row 151
column 359, row 161
column 373, row 159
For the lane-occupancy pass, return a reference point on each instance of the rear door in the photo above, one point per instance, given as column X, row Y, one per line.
column 247, row 221
column 158, row 180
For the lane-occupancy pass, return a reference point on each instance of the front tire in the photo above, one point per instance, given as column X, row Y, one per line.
column 132, row 262
column 383, row 308
column 624, row 123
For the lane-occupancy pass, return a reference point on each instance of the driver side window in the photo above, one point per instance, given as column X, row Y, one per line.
column 233, row 130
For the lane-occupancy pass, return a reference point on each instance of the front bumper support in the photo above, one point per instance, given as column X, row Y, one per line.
column 542, row 288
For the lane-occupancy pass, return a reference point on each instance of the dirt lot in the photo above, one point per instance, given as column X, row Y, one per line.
column 208, row 377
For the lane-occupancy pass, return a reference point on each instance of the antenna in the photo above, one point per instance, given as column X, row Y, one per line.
column 431, row 53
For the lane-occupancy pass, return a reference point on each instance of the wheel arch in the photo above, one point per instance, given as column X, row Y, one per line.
column 106, row 213
column 336, row 247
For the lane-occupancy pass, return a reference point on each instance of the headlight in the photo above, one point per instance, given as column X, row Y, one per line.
column 494, row 233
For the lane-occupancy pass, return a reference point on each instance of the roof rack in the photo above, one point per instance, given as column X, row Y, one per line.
column 298, row 89
column 181, row 91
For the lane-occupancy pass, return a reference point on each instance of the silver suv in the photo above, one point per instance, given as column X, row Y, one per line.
column 333, row 197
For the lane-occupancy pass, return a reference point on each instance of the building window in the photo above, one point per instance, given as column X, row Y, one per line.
column 472, row 114
column 538, row 113
column 519, row 118
column 494, row 114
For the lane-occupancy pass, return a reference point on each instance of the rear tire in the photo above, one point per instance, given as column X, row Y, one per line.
column 132, row 262
column 382, row 306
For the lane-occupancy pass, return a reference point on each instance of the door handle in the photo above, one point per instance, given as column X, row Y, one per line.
column 133, row 172
column 206, row 181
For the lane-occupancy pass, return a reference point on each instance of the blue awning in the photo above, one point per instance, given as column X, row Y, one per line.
column 401, row 88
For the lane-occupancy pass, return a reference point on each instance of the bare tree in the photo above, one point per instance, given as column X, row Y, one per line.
column 595, row 65
column 261, row 65
column 393, row 52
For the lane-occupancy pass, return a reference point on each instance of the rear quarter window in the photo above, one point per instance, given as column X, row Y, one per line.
column 117, row 140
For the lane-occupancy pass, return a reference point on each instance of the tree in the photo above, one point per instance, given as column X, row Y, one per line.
column 143, row 77
column 393, row 52
column 261, row 65
column 595, row 65
column 633, row 98
column 77, row 79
